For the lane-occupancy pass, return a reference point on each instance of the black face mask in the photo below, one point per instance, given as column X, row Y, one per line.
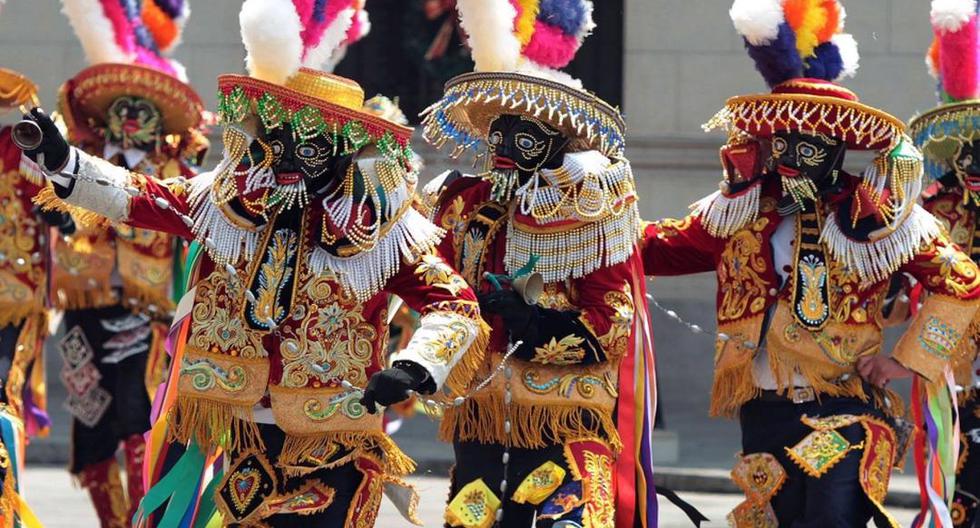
column 817, row 158
column 293, row 159
column 134, row 122
column 966, row 166
column 525, row 144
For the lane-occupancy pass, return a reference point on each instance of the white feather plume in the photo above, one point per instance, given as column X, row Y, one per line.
column 94, row 31
column 757, row 20
column 850, row 57
column 950, row 15
column 271, row 32
column 534, row 69
column 319, row 57
column 490, row 26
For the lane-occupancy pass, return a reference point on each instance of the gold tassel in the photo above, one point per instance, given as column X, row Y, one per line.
column 47, row 200
column 17, row 313
column 213, row 423
column 82, row 298
column 296, row 448
column 144, row 297
column 731, row 388
column 481, row 419
column 465, row 370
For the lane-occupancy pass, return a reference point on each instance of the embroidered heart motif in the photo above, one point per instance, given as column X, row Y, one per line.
column 244, row 486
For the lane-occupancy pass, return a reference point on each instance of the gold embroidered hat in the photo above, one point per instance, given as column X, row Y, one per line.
column 128, row 50
column 519, row 48
column 288, row 41
column 16, row 89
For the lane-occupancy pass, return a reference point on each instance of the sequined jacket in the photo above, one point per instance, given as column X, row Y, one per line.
column 753, row 307
column 585, row 328
column 143, row 260
column 947, row 205
column 269, row 323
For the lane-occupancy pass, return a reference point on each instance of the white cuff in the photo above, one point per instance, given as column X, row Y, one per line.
column 108, row 198
column 439, row 343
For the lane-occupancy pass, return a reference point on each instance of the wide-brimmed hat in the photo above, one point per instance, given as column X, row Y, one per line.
column 86, row 97
column 16, row 89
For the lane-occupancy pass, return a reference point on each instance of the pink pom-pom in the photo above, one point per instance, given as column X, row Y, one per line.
column 145, row 57
column 550, row 47
column 121, row 26
column 958, row 60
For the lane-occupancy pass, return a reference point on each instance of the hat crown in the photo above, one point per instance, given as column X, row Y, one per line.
column 328, row 87
column 815, row 87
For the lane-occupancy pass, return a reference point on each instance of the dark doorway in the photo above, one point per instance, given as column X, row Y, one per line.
column 391, row 59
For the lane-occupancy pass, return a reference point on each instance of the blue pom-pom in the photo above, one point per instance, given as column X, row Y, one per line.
column 826, row 65
column 569, row 15
column 779, row 61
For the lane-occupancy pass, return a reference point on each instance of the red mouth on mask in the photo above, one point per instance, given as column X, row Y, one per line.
column 788, row 172
column 972, row 182
column 288, row 178
column 131, row 126
column 500, row 162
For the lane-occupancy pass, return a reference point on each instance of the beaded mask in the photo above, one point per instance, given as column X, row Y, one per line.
column 518, row 147
column 134, row 122
column 806, row 163
column 966, row 167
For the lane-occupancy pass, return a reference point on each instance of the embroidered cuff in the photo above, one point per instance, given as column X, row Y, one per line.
column 935, row 335
column 110, row 200
column 441, row 341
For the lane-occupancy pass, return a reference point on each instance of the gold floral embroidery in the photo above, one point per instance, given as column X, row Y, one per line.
column 739, row 273
column 956, row 270
column 435, row 272
column 585, row 384
column 539, row 484
column 820, row 451
column 447, row 344
column 671, row 227
column 215, row 325
column 474, row 506
column 600, row 510
column 274, row 275
column 564, row 352
column 453, row 219
column 616, row 340
column 955, row 220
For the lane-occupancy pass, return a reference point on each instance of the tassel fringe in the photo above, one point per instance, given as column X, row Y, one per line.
column 724, row 215
column 297, row 448
column 47, row 200
column 212, row 423
column 481, row 419
column 461, row 377
column 731, row 388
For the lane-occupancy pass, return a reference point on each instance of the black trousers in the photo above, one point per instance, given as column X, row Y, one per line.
column 345, row 481
column 129, row 410
column 834, row 499
column 968, row 471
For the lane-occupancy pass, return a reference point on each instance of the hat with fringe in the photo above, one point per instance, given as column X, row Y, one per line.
column 954, row 60
column 16, row 89
column 801, row 51
column 519, row 47
column 288, row 41
column 127, row 43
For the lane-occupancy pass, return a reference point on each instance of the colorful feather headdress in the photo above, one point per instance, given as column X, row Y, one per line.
column 954, row 60
column 127, row 43
column 519, row 48
column 801, row 51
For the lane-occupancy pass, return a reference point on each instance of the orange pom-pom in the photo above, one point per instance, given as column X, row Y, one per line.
column 832, row 24
column 932, row 58
column 161, row 26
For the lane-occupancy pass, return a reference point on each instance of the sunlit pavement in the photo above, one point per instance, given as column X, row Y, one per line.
column 58, row 503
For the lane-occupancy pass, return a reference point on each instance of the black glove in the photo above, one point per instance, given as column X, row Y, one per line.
column 392, row 385
column 53, row 144
column 517, row 314
column 63, row 221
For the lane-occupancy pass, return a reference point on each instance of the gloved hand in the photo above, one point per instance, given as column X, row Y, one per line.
column 517, row 314
column 53, row 145
column 63, row 221
column 391, row 386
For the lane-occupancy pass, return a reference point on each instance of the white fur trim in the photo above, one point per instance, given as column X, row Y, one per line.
column 490, row 26
column 950, row 15
column 94, row 31
column 757, row 20
column 849, row 55
column 333, row 39
column 271, row 33
column 876, row 261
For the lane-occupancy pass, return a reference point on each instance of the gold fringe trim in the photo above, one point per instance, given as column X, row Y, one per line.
column 296, row 448
column 47, row 200
column 462, row 374
column 144, row 297
column 17, row 313
column 83, row 298
column 482, row 419
column 213, row 423
column 731, row 388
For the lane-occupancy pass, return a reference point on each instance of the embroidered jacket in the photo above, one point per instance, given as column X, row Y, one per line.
column 24, row 262
column 270, row 320
column 829, row 312
column 587, row 322
column 85, row 262
column 960, row 221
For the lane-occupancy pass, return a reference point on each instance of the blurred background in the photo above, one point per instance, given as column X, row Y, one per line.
column 669, row 64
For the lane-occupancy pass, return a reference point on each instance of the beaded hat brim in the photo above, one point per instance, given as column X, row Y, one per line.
column 86, row 97
column 940, row 132
column 472, row 101
column 860, row 126
column 332, row 108
column 16, row 89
